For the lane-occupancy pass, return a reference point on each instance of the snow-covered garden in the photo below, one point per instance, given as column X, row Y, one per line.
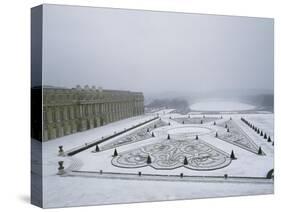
column 170, row 157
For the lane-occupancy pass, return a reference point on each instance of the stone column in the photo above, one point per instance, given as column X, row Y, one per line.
column 106, row 111
column 126, row 109
column 110, row 111
column 122, row 110
column 113, row 111
column 81, row 111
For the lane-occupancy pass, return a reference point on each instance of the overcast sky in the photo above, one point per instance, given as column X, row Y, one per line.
column 155, row 52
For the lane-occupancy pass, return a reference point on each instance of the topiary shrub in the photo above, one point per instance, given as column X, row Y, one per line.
column 115, row 153
column 232, row 155
column 148, row 161
column 260, row 151
column 185, row 162
column 97, row 148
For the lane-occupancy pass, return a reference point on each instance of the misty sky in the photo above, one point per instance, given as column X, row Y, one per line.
column 155, row 52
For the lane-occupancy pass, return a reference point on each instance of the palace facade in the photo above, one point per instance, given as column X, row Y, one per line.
column 67, row 111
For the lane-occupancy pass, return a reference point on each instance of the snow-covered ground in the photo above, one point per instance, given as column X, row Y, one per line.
column 61, row 191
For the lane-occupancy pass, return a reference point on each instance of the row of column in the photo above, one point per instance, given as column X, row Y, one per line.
column 64, row 120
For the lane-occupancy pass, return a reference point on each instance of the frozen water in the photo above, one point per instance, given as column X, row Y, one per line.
column 220, row 105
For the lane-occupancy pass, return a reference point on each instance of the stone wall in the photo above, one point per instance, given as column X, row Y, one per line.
column 66, row 111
